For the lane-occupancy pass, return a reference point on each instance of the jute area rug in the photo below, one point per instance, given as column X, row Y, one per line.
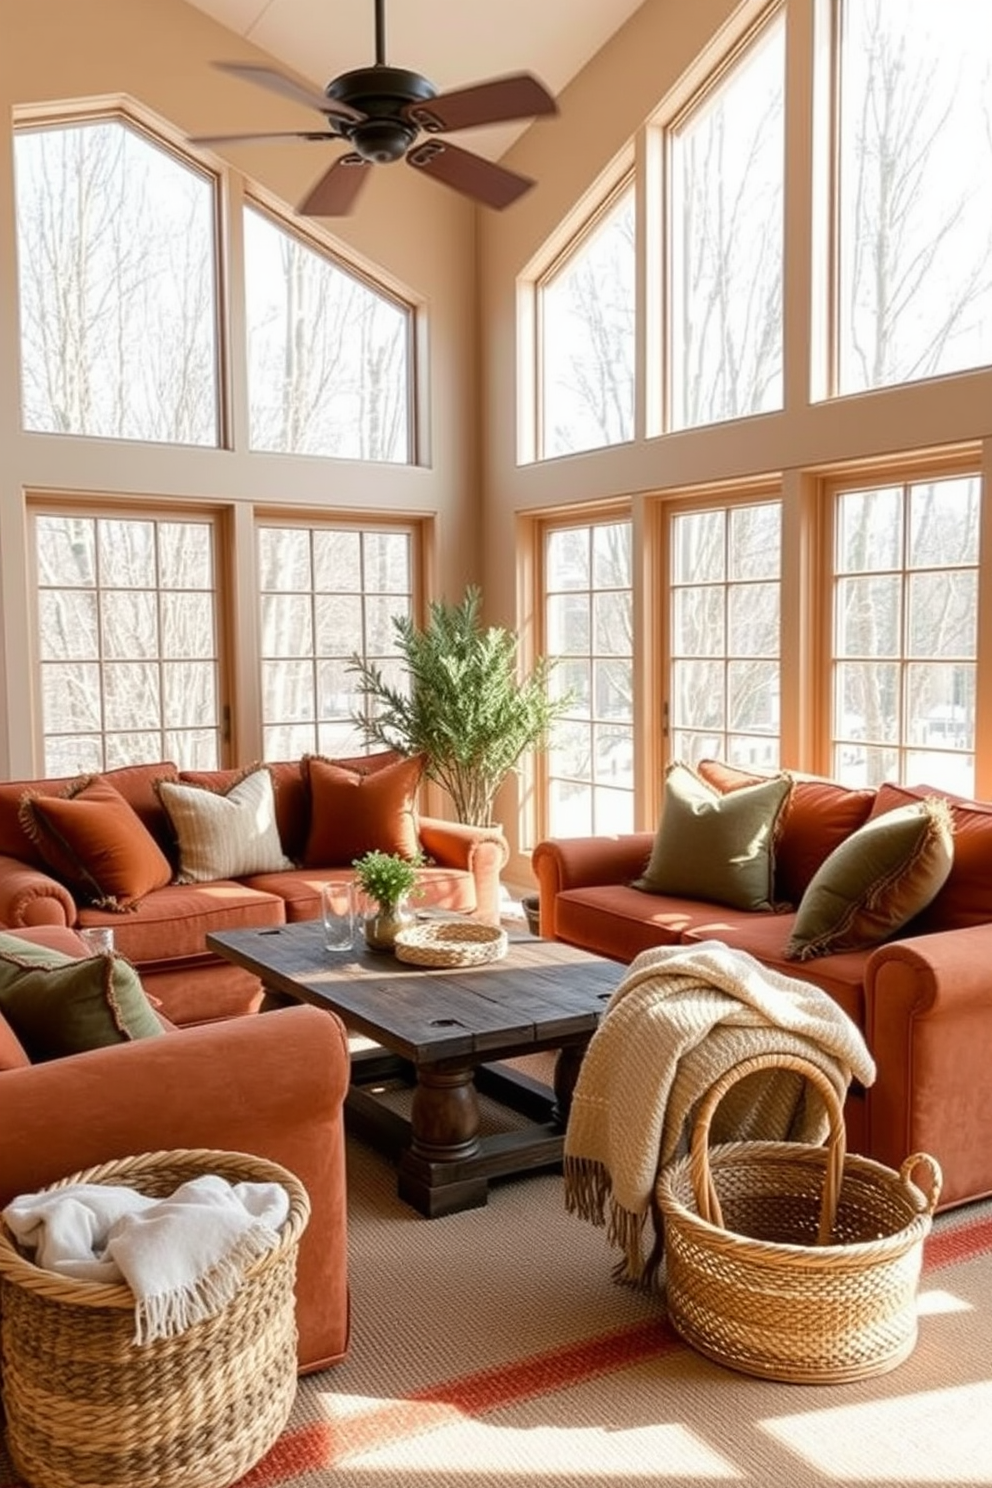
column 492, row 1347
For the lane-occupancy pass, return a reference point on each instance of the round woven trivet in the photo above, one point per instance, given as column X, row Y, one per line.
column 450, row 943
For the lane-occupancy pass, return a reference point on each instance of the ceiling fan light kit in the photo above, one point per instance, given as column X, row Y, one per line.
column 381, row 112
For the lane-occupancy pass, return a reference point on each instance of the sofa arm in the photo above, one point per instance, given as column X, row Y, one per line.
column 579, row 862
column 271, row 1084
column 928, row 1022
column 29, row 896
column 481, row 851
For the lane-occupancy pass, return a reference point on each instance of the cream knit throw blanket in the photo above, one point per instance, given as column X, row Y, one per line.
column 681, row 1016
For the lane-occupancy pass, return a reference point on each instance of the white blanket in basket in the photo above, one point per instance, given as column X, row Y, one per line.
column 183, row 1256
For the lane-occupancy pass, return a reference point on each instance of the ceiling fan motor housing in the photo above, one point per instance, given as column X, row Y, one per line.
column 382, row 94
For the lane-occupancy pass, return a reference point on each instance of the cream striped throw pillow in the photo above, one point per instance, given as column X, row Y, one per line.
column 225, row 834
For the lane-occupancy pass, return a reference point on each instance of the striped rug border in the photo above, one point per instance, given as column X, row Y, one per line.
column 328, row 1444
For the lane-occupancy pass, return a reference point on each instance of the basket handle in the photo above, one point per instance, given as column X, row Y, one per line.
column 932, row 1182
column 707, row 1203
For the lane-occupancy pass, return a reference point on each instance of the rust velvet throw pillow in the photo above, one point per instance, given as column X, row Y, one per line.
column 96, row 843
column 354, row 812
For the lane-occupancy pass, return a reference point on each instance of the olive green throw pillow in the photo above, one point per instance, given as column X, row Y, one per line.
column 876, row 881
column 716, row 847
column 58, row 1004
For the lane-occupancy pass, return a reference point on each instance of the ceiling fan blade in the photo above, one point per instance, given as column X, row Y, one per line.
column 236, row 139
column 492, row 185
column 518, row 96
column 335, row 192
column 280, row 82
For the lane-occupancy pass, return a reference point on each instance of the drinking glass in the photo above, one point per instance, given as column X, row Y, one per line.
column 337, row 903
column 99, row 939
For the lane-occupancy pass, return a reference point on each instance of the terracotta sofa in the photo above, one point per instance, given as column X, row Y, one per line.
column 271, row 1085
column 923, row 998
column 163, row 932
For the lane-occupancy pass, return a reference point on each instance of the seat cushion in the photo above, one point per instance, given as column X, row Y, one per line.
column 437, row 888
column 174, row 921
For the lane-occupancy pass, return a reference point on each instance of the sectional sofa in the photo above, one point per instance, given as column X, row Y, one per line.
column 165, row 856
column 918, row 984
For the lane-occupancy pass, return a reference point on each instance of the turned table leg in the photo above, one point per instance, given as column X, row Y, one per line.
column 444, row 1117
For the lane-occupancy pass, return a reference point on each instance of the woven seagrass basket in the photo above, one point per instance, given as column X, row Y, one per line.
column 443, row 943
column 790, row 1261
column 86, row 1407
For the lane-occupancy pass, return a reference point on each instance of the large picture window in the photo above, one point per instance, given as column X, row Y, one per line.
column 914, row 210
column 587, row 338
column 117, row 278
column 128, row 643
column 328, row 356
column 327, row 593
column 905, row 633
column 725, row 634
column 589, row 630
column 725, row 232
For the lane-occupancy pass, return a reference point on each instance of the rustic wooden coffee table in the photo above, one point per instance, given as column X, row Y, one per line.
column 444, row 1032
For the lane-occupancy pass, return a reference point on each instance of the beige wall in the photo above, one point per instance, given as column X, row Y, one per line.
column 419, row 234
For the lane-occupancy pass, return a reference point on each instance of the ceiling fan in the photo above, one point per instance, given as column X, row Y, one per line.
column 382, row 111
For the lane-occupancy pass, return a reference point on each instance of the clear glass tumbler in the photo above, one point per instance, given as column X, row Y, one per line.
column 337, row 903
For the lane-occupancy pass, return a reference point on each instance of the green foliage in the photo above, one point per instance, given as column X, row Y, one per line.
column 386, row 877
column 468, row 711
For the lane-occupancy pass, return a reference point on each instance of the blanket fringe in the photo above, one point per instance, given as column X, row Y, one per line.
column 167, row 1314
column 587, row 1188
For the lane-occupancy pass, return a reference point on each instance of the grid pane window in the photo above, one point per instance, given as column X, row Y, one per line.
column 127, row 642
column 328, row 356
column 725, row 634
column 589, row 633
column 726, row 242
column 118, row 299
column 913, row 208
column 905, row 633
column 327, row 595
column 587, row 340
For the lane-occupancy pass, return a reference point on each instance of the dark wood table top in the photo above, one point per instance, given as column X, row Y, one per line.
column 541, row 993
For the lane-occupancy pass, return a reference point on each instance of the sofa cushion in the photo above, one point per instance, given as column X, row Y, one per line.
column 966, row 897
column 876, row 881
column 819, row 815
column 225, row 834
column 714, row 846
column 95, row 841
column 437, row 888
column 58, row 1004
column 353, row 812
column 765, row 937
column 173, row 922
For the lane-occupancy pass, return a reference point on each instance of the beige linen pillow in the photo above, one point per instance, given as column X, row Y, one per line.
column 713, row 846
column 875, row 882
column 225, row 834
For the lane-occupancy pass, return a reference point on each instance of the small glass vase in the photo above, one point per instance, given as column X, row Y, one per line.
column 384, row 922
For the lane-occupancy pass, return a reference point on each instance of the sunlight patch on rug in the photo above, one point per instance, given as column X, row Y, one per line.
column 904, row 1439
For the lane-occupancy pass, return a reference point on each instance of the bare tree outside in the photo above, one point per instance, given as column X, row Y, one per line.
column 118, row 308
column 914, row 207
column 725, row 634
column 128, row 640
column 328, row 357
column 587, row 314
column 906, row 633
column 726, row 238
column 589, row 632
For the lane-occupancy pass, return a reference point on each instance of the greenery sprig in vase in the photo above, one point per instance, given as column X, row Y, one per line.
column 387, row 880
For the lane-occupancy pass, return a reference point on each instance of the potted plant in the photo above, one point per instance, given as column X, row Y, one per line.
column 466, row 709
column 387, row 880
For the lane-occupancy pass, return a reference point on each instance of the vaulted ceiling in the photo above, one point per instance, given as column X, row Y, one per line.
column 451, row 42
